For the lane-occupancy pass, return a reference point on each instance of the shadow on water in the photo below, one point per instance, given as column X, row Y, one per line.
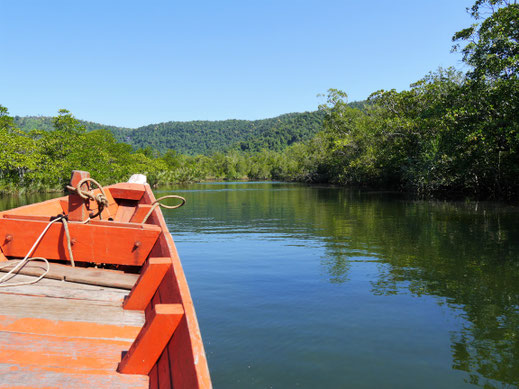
column 464, row 255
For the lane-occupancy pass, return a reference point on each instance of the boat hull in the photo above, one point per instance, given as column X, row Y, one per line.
column 121, row 246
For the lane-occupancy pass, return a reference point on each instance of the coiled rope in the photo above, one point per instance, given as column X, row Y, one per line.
column 11, row 273
column 100, row 198
column 157, row 203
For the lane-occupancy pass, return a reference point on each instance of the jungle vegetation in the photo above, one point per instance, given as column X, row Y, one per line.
column 205, row 137
column 451, row 132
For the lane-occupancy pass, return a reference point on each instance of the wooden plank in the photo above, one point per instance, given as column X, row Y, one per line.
column 62, row 289
column 95, row 222
column 50, row 361
column 151, row 341
column 140, row 213
column 99, row 355
column 148, row 312
column 92, row 242
column 77, row 206
column 81, row 275
column 164, row 363
column 14, row 375
column 103, row 312
column 45, row 208
column 127, row 191
column 64, row 204
column 149, row 280
column 74, row 329
column 164, row 371
column 3, row 258
column 154, row 378
column 125, row 211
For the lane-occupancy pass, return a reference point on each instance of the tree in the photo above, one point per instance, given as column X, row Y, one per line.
column 493, row 43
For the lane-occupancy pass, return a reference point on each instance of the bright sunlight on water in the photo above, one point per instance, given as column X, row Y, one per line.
column 318, row 287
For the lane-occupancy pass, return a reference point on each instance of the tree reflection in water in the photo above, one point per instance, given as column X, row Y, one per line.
column 465, row 253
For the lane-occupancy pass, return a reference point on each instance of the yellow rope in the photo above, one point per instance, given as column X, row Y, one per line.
column 157, row 203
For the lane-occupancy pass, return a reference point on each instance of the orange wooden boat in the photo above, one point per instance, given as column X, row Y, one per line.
column 113, row 308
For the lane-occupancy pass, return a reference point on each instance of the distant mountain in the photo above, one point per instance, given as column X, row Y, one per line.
column 27, row 123
column 206, row 137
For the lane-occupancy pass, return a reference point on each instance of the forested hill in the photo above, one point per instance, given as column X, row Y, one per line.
column 44, row 123
column 206, row 137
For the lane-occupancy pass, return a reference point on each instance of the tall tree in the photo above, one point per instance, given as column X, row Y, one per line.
column 492, row 44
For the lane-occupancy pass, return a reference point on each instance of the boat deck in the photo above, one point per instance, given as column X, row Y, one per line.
column 73, row 328
column 57, row 333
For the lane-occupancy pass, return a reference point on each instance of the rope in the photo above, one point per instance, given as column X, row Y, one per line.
column 11, row 273
column 3, row 280
column 69, row 245
column 100, row 198
column 157, row 203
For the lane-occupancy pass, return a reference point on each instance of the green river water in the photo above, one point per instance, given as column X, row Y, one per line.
column 301, row 286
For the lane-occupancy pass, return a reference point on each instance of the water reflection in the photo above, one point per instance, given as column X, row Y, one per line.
column 465, row 253
column 465, row 256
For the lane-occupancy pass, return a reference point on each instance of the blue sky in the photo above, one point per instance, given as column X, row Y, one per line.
column 134, row 63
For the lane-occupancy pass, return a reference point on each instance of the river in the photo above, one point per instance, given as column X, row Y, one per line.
column 301, row 286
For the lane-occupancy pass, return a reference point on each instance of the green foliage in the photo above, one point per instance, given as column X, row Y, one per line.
column 493, row 45
column 449, row 133
column 45, row 123
column 42, row 160
column 205, row 137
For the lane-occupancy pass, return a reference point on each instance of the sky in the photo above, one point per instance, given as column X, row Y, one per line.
column 132, row 63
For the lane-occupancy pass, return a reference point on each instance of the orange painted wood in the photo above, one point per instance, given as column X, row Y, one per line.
column 64, row 204
column 147, row 284
column 60, row 357
column 101, row 242
column 154, row 378
column 80, row 275
column 96, row 354
column 77, row 329
column 78, row 175
column 183, row 361
column 77, row 206
column 125, row 210
column 79, row 209
column 164, row 371
column 188, row 346
column 45, row 208
column 140, row 213
column 127, row 191
column 95, row 222
column 151, row 341
column 107, row 212
column 148, row 312
column 2, row 256
column 164, row 363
